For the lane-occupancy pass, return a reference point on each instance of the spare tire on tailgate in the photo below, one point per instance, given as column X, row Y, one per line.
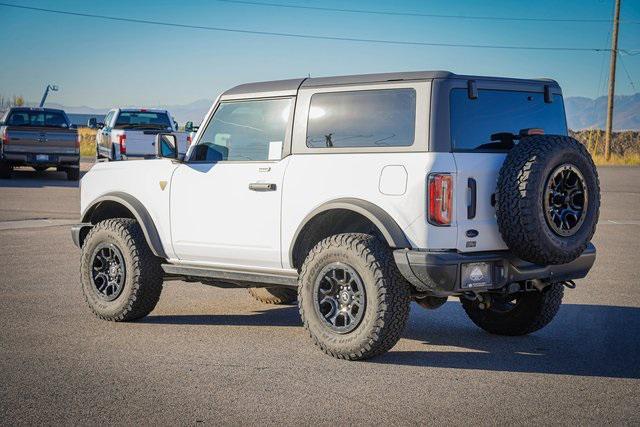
column 548, row 199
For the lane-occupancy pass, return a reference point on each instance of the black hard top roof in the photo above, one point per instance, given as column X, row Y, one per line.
column 295, row 84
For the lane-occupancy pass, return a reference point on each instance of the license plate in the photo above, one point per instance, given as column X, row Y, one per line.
column 476, row 275
column 42, row 158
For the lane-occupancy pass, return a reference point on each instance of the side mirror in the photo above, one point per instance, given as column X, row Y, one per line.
column 188, row 127
column 92, row 123
column 100, row 125
column 166, row 146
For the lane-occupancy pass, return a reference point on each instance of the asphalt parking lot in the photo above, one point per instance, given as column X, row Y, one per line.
column 217, row 356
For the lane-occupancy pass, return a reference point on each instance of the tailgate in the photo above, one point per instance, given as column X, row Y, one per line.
column 140, row 143
column 41, row 140
column 476, row 179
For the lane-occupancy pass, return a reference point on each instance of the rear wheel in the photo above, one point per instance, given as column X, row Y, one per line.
column 121, row 278
column 5, row 170
column 275, row 295
column 73, row 174
column 516, row 314
column 353, row 300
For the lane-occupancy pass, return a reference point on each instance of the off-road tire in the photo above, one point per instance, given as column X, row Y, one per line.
column 534, row 312
column 387, row 296
column 73, row 174
column 520, row 207
column 274, row 295
column 5, row 170
column 143, row 273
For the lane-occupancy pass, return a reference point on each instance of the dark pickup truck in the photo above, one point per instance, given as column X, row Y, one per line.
column 40, row 138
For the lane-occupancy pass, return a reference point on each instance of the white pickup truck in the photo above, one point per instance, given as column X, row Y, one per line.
column 130, row 133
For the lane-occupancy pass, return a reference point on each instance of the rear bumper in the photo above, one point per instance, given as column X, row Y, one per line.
column 441, row 272
column 30, row 159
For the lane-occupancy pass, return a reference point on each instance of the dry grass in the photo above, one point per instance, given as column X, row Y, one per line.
column 625, row 147
column 87, row 142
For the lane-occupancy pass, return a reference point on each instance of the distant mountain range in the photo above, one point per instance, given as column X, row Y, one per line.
column 582, row 113
column 585, row 113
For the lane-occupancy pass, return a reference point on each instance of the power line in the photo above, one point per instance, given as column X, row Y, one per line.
column 624, row 67
column 306, row 36
column 418, row 14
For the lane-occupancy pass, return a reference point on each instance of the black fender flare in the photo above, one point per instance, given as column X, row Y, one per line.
column 389, row 228
column 139, row 212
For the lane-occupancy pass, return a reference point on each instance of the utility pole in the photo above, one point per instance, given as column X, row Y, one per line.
column 612, row 81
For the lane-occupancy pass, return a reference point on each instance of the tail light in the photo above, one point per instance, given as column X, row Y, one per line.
column 188, row 140
column 78, row 140
column 122, row 140
column 440, row 189
column 5, row 137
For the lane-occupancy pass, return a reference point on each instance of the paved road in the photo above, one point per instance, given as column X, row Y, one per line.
column 216, row 356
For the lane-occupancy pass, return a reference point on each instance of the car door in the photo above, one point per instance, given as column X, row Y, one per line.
column 104, row 136
column 226, row 199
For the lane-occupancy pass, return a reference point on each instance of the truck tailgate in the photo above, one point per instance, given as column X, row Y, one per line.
column 142, row 143
column 41, row 140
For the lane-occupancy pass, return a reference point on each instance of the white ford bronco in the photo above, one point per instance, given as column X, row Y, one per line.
column 354, row 195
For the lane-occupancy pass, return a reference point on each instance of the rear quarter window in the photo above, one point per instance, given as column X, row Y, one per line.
column 474, row 121
column 365, row 118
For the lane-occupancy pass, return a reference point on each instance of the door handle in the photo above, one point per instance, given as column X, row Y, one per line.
column 473, row 196
column 262, row 186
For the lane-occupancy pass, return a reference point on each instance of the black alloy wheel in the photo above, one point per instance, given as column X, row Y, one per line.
column 340, row 297
column 565, row 200
column 108, row 271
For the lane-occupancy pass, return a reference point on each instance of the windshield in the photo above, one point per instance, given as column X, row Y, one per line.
column 37, row 118
column 492, row 120
column 143, row 120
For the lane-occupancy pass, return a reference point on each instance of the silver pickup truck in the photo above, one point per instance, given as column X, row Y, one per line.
column 40, row 138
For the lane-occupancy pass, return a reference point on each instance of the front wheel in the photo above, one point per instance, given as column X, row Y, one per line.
column 516, row 314
column 353, row 300
column 121, row 278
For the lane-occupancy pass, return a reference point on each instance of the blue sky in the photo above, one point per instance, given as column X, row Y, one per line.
column 103, row 63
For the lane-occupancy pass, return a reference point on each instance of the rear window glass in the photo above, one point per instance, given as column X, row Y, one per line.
column 142, row 120
column 37, row 118
column 368, row 118
column 487, row 121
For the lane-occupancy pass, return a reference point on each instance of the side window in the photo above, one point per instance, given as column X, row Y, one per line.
column 245, row 131
column 367, row 118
